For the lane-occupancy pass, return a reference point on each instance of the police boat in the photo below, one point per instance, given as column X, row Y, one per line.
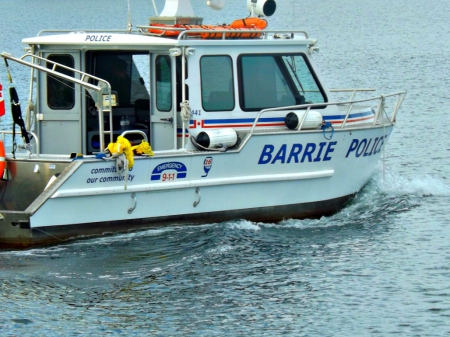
column 180, row 122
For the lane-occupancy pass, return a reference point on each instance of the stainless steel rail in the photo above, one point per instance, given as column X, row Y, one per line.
column 35, row 137
column 377, row 116
column 190, row 33
column 96, row 91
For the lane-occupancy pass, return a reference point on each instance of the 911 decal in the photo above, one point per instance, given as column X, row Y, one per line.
column 159, row 172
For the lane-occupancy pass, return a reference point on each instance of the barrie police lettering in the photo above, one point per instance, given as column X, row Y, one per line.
column 98, row 38
column 297, row 153
column 316, row 152
column 366, row 147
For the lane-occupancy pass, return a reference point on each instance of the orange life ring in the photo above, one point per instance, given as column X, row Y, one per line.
column 2, row 159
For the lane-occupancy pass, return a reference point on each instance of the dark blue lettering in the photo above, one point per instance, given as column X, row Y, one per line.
column 295, row 151
column 373, row 146
column 364, row 143
column 367, row 147
column 281, row 155
column 309, row 149
column 321, row 145
column 266, row 154
column 380, row 144
column 352, row 147
column 329, row 150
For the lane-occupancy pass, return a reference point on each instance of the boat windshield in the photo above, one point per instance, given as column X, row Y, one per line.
column 287, row 80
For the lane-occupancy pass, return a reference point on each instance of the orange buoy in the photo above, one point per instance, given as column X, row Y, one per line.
column 249, row 23
column 2, row 160
column 2, row 102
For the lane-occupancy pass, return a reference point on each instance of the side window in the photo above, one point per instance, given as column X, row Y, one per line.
column 260, row 87
column 286, row 80
column 304, row 80
column 217, row 83
column 60, row 93
column 163, row 83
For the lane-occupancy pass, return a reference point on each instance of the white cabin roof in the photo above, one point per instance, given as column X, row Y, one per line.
column 104, row 38
column 114, row 39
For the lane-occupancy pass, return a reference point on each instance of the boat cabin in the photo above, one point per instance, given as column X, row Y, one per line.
column 226, row 81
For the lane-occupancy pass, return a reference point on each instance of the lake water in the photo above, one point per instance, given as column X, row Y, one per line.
column 380, row 267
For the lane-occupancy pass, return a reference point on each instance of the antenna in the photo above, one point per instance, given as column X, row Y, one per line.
column 156, row 9
column 130, row 25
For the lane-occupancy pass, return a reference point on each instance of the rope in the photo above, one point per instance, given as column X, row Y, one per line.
column 384, row 153
column 121, row 165
column 123, row 154
column 143, row 148
column 30, row 108
column 186, row 113
column 55, row 237
column 324, row 127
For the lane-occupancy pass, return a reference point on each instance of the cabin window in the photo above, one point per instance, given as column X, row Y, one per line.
column 126, row 72
column 60, row 93
column 217, row 83
column 163, row 83
column 269, row 81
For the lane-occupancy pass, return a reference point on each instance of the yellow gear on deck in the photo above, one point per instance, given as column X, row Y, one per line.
column 122, row 145
column 143, row 148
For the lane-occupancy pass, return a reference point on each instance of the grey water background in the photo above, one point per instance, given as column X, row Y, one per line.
column 380, row 267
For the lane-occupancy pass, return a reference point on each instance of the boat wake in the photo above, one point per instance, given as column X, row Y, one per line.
column 383, row 197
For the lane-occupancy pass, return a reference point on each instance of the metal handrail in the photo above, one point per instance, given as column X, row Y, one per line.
column 353, row 91
column 102, row 87
column 307, row 107
column 139, row 132
column 264, row 33
column 185, row 33
column 35, row 137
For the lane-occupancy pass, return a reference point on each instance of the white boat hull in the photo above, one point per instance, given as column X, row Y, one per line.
column 289, row 175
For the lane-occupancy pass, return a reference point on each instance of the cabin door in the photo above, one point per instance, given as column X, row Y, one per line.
column 163, row 119
column 59, row 115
